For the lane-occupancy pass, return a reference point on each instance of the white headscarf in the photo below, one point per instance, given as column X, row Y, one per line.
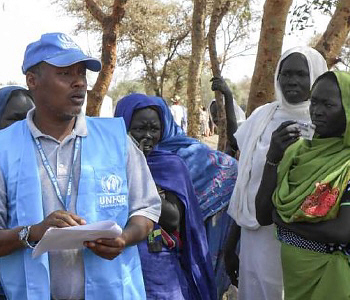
column 254, row 135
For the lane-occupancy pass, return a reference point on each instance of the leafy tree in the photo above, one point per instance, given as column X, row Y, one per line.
column 269, row 49
column 124, row 88
column 271, row 35
column 220, row 9
column 331, row 42
column 198, row 38
column 345, row 55
column 241, row 92
column 217, row 10
column 100, row 16
column 302, row 14
column 176, row 79
column 154, row 33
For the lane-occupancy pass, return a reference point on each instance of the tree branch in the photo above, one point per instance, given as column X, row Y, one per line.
column 95, row 10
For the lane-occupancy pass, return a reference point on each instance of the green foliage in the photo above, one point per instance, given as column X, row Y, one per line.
column 302, row 13
column 124, row 88
column 176, row 78
column 154, row 33
column 207, row 94
column 78, row 10
column 241, row 92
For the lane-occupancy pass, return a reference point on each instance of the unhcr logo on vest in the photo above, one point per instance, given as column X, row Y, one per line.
column 111, row 186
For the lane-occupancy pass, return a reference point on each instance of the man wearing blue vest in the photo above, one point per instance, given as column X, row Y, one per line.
column 59, row 168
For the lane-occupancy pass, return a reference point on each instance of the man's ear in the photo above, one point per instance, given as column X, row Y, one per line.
column 32, row 80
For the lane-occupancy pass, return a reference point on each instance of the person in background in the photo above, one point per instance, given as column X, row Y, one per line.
column 15, row 102
column 59, row 173
column 175, row 258
column 235, row 116
column 260, row 271
column 213, row 174
column 179, row 113
column 308, row 183
column 204, row 122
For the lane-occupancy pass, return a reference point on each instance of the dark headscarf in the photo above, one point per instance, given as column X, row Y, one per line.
column 5, row 94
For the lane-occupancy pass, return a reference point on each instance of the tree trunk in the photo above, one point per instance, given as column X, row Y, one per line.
column 269, row 51
column 336, row 33
column 110, row 26
column 195, row 67
column 218, row 13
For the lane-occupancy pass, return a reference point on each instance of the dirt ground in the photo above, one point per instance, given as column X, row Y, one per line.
column 211, row 141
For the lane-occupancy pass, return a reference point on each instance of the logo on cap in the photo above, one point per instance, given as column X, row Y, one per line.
column 67, row 42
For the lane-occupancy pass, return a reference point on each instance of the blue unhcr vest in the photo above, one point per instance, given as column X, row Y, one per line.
column 102, row 195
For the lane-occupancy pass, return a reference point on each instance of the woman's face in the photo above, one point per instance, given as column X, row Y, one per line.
column 326, row 109
column 146, row 127
column 294, row 78
column 16, row 108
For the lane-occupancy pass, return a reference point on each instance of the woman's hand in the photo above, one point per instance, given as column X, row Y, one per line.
column 285, row 135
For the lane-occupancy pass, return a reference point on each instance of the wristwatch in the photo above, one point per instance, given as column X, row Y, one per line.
column 23, row 236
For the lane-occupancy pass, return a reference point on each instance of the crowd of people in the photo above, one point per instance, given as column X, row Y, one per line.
column 268, row 216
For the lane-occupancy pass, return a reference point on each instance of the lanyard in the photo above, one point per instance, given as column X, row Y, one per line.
column 52, row 175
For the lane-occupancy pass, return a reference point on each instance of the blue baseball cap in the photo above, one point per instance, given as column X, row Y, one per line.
column 59, row 50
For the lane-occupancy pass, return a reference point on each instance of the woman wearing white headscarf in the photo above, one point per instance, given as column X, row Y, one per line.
column 260, row 273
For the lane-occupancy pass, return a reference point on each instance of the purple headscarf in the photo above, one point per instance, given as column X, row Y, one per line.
column 213, row 173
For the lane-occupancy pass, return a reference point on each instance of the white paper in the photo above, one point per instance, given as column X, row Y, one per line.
column 73, row 237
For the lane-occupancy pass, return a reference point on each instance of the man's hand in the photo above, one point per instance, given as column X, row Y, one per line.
column 58, row 218
column 136, row 229
column 107, row 248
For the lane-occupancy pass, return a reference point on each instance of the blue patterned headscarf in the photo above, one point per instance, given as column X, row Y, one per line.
column 5, row 94
column 213, row 173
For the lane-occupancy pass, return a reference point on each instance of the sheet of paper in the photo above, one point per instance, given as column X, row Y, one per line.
column 74, row 237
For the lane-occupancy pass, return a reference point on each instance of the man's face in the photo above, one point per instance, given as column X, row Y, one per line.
column 16, row 108
column 59, row 92
column 294, row 78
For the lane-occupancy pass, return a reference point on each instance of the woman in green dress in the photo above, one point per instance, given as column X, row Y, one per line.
column 305, row 190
